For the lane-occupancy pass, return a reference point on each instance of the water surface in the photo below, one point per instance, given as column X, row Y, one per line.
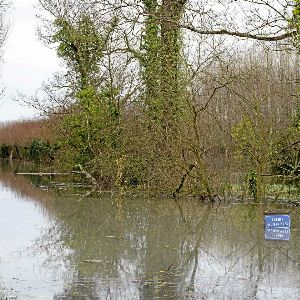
column 58, row 245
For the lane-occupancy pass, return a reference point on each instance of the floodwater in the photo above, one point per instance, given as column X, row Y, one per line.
column 58, row 245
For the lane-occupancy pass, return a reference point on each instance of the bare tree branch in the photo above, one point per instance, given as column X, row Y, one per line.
column 272, row 38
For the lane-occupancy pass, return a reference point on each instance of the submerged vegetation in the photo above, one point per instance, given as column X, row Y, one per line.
column 157, row 98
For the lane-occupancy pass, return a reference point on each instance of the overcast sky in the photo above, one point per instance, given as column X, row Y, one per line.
column 27, row 62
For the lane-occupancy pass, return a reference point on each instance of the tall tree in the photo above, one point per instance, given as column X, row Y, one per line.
column 82, row 45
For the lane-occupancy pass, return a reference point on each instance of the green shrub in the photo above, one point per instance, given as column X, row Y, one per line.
column 40, row 151
column 5, row 150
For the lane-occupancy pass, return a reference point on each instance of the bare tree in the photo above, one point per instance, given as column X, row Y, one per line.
column 4, row 27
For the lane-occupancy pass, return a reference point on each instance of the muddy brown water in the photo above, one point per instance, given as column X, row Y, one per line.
column 55, row 245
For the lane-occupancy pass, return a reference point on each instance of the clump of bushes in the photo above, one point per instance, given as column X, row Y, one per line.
column 38, row 151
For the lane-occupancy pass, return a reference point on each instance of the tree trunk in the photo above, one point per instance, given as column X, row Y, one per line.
column 151, row 62
column 259, row 182
column 171, row 13
column 11, row 153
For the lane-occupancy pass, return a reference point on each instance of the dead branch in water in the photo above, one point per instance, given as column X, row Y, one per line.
column 46, row 174
column 81, row 172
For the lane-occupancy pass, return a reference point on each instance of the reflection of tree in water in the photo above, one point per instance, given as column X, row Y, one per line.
column 142, row 249
column 125, row 245
column 134, row 248
column 21, row 185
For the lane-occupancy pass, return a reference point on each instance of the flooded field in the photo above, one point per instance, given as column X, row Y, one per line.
column 58, row 245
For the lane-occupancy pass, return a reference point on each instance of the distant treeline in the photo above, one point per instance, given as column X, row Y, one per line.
column 27, row 140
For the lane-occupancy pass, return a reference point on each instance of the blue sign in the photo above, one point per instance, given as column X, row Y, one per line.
column 278, row 227
column 277, row 234
column 277, row 221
